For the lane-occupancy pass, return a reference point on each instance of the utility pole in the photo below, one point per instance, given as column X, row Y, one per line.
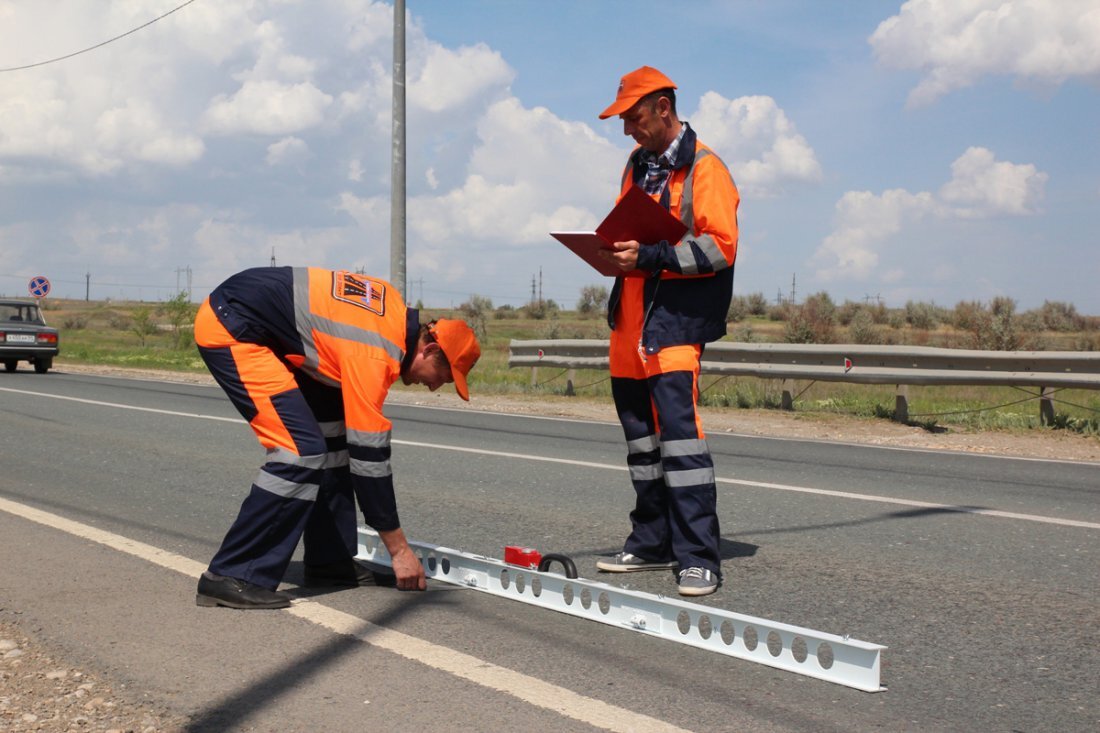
column 540, row 287
column 794, row 291
column 532, row 290
column 397, row 160
column 273, row 257
column 87, row 285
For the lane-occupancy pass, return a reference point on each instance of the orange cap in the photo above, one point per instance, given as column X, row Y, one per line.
column 460, row 346
column 634, row 86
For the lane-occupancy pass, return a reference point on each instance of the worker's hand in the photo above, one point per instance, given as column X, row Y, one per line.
column 623, row 255
column 406, row 565
column 409, row 571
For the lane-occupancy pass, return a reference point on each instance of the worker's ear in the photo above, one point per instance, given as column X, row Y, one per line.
column 430, row 349
column 663, row 107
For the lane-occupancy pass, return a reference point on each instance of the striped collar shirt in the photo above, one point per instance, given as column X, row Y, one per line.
column 658, row 167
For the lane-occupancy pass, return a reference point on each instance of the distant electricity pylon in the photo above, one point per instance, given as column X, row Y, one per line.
column 179, row 271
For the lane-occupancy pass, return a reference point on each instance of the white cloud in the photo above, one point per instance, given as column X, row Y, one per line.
column 267, row 108
column 117, row 106
column 954, row 43
column 286, row 151
column 36, row 119
column 864, row 222
column 369, row 25
column 441, row 79
column 528, row 164
column 761, row 146
column 868, row 224
column 981, row 186
column 76, row 124
column 355, row 170
column 136, row 132
column 213, row 32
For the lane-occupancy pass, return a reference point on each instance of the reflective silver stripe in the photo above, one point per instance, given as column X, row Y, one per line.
column 333, row 429
column 687, row 447
column 645, row 444
column 282, row 455
column 303, row 321
column 374, row 469
column 691, row 477
column 685, row 257
column 711, row 251
column 286, row 489
column 369, row 440
column 371, row 469
column 336, row 459
column 649, row 472
column 706, row 244
column 348, row 332
column 685, row 254
column 687, row 212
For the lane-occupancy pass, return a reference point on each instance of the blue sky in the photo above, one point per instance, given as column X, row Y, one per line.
column 931, row 150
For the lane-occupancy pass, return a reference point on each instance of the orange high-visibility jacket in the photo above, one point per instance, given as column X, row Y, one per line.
column 686, row 293
column 343, row 329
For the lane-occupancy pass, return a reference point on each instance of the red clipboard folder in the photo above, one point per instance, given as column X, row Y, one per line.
column 636, row 217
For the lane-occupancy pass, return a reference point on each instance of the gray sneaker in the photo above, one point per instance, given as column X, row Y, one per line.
column 624, row 562
column 697, row 582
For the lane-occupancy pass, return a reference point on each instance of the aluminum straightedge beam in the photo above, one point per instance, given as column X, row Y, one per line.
column 823, row 656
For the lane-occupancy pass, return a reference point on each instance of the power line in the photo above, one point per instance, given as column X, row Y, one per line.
column 98, row 45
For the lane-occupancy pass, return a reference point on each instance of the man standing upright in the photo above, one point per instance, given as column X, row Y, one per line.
column 670, row 301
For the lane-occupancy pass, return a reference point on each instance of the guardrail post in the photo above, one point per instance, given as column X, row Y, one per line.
column 569, row 383
column 786, row 402
column 1046, row 406
column 534, row 376
column 901, row 403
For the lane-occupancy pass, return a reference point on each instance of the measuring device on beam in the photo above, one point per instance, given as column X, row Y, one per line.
column 837, row 659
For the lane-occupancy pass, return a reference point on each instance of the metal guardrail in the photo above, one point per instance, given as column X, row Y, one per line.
column 853, row 363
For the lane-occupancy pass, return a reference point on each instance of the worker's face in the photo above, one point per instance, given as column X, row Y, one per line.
column 428, row 367
column 649, row 123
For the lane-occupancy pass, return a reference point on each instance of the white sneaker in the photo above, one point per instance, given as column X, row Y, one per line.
column 697, row 582
column 624, row 562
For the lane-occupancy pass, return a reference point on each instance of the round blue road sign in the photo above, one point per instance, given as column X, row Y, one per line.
column 39, row 287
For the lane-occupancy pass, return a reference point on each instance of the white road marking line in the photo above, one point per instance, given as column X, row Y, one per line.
column 612, row 467
column 752, row 436
column 122, row 407
column 526, row 688
column 782, row 487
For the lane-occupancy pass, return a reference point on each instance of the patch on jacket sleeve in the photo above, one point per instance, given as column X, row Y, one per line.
column 359, row 291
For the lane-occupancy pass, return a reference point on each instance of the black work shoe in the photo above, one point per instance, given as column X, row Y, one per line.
column 346, row 574
column 218, row 590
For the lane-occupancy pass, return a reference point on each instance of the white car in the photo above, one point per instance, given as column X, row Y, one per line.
column 24, row 336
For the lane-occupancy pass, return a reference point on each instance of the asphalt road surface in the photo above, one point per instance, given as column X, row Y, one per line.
column 980, row 574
